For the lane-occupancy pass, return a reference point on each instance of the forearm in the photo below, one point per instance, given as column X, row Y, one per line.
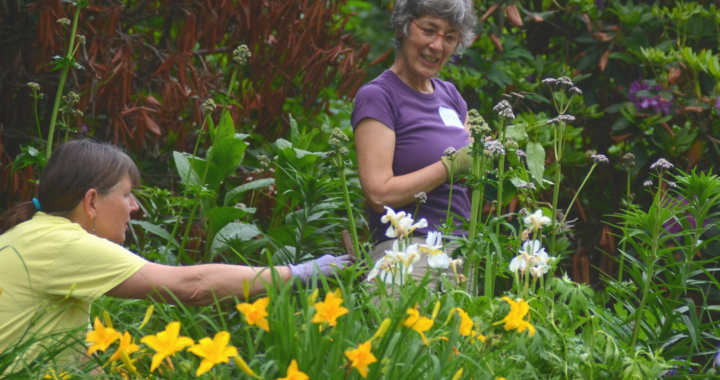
column 398, row 191
column 220, row 281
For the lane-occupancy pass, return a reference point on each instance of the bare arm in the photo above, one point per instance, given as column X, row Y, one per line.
column 196, row 285
column 375, row 144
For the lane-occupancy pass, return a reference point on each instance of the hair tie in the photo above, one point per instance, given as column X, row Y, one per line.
column 37, row 204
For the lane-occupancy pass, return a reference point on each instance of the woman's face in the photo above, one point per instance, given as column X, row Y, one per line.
column 113, row 211
column 428, row 46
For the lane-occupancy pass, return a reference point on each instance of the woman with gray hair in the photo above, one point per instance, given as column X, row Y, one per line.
column 406, row 118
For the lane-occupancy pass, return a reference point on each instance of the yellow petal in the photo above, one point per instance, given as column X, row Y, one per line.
column 205, row 366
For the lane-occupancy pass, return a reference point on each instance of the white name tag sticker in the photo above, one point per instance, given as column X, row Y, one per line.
column 450, row 118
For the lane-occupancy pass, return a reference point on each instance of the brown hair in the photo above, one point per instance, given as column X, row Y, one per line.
column 74, row 168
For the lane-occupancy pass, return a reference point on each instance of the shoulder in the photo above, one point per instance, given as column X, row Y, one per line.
column 377, row 89
column 447, row 87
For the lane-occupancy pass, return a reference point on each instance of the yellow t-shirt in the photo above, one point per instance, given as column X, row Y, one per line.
column 41, row 260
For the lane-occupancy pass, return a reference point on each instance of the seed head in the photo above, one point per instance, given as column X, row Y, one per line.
column 565, row 81
column 575, row 90
column 507, row 113
column 599, row 158
column 450, row 153
column 209, row 105
column 566, row 118
column 34, row 86
column 662, row 164
column 494, row 148
column 64, row 21
column 340, row 135
column 501, row 106
column 647, row 183
column 241, row 54
column 421, row 197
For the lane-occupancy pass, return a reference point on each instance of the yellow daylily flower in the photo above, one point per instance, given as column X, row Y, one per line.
column 51, row 374
column 293, row 373
column 255, row 313
column 515, row 318
column 329, row 310
column 466, row 325
column 418, row 323
column 126, row 345
column 102, row 337
column 458, row 374
column 361, row 357
column 240, row 363
column 166, row 343
column 213, row 351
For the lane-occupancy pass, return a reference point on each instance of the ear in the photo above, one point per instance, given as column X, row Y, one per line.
column 88, row 203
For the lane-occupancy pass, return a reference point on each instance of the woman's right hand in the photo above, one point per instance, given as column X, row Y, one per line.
column 327, row 265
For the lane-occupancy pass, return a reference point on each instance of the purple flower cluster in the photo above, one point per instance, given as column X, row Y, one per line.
column 657, row 103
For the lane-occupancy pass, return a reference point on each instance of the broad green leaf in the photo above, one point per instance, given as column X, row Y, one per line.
column 226, row 128
column 157, row 230
column 227, row 154
column 233, row 232
column 294, row 132
column 221, row 216
column 517, row 181
column 306, row 139
column 282, row 144
column 232, row 195
column 536, row 161
column 182, row 162
column 516, row 132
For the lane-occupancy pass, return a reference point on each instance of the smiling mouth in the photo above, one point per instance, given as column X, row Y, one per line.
column 429, row 59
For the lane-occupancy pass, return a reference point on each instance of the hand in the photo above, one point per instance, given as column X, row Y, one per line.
column 461, row 164
column 327, row 265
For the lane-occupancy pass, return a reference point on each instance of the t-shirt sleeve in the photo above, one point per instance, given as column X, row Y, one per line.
column 94, row 265
column 373, row 102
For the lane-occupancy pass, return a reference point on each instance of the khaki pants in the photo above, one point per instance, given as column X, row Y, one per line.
column 421, row 267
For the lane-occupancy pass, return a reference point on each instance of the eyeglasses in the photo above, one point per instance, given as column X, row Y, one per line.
column 450, row 40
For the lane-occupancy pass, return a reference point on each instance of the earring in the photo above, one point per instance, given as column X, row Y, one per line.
column 95, row 216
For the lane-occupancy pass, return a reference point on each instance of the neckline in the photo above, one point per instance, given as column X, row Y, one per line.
column 395, row 78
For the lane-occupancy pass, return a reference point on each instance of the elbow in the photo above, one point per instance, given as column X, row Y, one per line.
column 195, row 292
column 376, row 201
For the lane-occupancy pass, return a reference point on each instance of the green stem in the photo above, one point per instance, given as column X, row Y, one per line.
column 556, row 190
column 37, row 122
column 61, row 85
column 650, row 265
column 198, row 200
column 624, row 243
column 576, row 194
column 452, row 180
column 348, row 206
column 475, row 198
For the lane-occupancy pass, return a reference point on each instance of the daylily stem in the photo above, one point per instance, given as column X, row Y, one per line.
column 576, row 194
column 348, row 206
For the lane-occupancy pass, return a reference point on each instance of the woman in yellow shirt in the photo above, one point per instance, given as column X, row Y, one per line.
column 63, row 250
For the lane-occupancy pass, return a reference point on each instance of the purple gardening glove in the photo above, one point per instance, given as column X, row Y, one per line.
column 327, row 265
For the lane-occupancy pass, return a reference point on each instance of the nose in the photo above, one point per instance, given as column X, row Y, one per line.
column 437, row 42
column 133, row 204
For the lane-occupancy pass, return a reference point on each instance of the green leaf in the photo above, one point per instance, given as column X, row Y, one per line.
column 517, row 181
column 234, row 232
column 232, row 195
column 282, row 144
column 306, row 139
column 221, row 216
column 226, row 128
column 294, row 132
column 157, row 230
column 227, row 154
column 516, row 132
column 623, row 57
column 536, row 161
column 182, row 162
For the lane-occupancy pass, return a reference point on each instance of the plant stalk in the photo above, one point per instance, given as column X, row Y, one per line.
column 348, row 206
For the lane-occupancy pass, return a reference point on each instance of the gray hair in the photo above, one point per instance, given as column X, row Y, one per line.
column 459, row 13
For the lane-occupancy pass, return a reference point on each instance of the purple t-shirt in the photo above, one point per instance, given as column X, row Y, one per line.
column 424, row 125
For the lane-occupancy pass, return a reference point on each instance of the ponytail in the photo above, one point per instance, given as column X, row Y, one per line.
column 16, row 215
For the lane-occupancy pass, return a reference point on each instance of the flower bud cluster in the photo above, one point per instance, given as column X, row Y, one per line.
column 575, row 90
column 510, row 144
column 529, row 185
column 421, row 197
column 80, row 38
column 494, row 148
column 599, row 158
column 478, row 126
column 241, row 55
column 647, row 183
column 338, row 139
column 628, row 161
column 64, row 21
column 209, row 105
column 507, row 113
column 520, row 153
column 450, row 153
column 501, row 106
column 661, row 165
column 34, row 86
column 562, row 81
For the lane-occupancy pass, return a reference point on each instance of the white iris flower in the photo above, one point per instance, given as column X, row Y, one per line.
column 437, row 258
column 537, row 220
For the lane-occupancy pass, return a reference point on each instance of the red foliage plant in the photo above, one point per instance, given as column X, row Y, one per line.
column 150, row 64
